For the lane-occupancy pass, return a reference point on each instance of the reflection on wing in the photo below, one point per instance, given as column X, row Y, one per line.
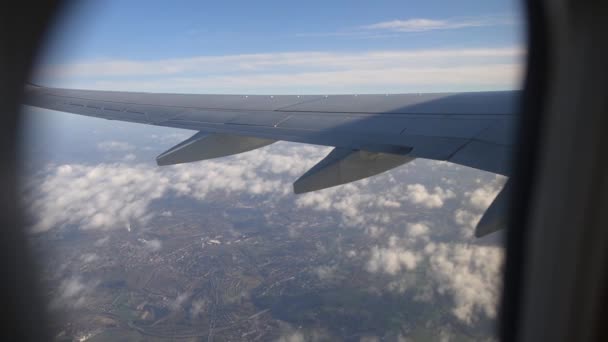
column 370, row 133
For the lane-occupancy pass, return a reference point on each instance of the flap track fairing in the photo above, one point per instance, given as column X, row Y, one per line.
column 343, row 166
column 202, row 146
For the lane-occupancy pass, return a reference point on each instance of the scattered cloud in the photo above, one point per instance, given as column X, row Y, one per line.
column 392, row 259
column 418, row 194
column 118, row 195
column 470, row 274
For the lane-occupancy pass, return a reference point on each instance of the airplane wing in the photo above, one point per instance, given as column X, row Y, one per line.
column 371, row 133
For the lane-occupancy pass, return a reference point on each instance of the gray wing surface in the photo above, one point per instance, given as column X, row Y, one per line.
column 370, row 133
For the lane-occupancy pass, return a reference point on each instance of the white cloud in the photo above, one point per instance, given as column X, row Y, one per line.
column 179, row 301
column 171, row 138
column 72, row 293
column 326, row 273
column 111, row 196
column 383, row 202
column 374, row 231
column 102, row 241
column 305, row 335
column 129, row 157
column 418, row 194
column 367, row 338
column 468, row 220
column 478, row 77
column 351, row 201
column 318, row 200
column 482, row 197
column 301, row 60
column 114, row 146
column 471, row 275
column 153, row 245
column 425, row 24
column 198, row 307
column 72, row 287
column 167, row 213
column 418, row 229
column 381, row 71
column 475, row 204
column 89, row 257
column 362, row 204
column 105, row 196
column 392, row 259
column 292, row 337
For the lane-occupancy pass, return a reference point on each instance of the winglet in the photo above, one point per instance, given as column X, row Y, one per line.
column 495, row 217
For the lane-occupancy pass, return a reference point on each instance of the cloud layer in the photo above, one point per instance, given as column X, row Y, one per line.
column 120, row 195
column 381, row 71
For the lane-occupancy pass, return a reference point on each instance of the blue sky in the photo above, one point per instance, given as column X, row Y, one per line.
column 163, row 33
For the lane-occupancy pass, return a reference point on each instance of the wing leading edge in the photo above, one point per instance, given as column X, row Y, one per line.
column 370, row 133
